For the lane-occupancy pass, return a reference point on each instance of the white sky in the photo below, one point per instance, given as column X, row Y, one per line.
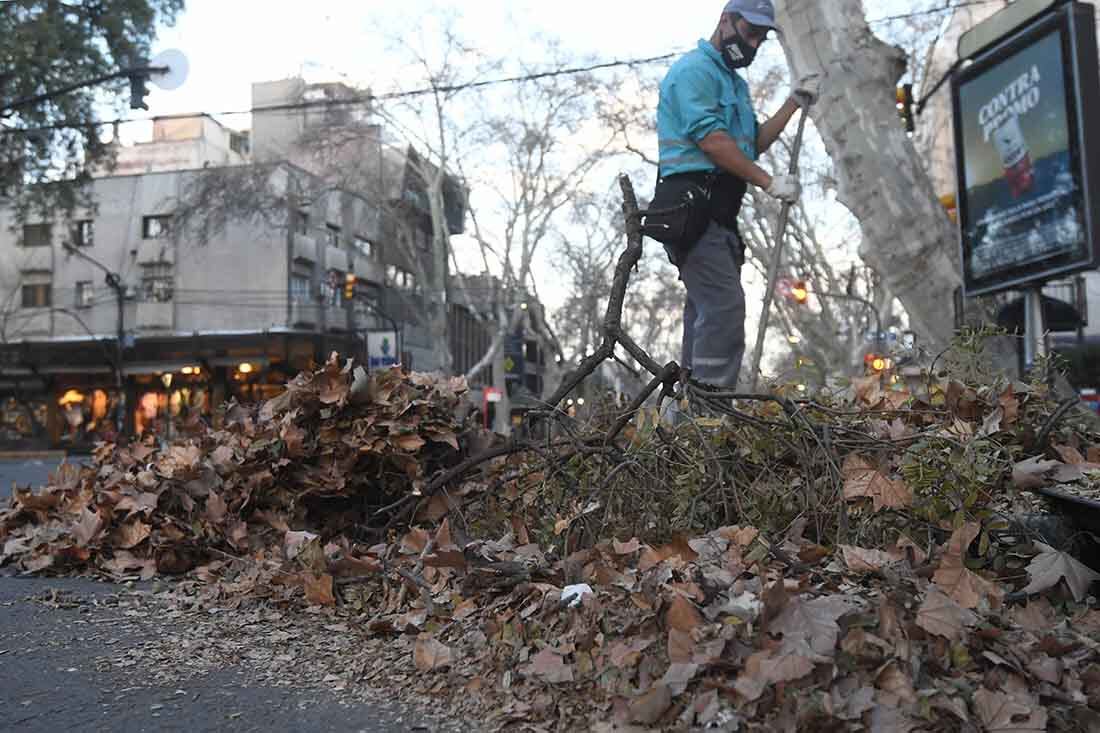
column 232, row 44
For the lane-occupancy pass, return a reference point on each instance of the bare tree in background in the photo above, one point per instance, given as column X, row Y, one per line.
column 907, row 237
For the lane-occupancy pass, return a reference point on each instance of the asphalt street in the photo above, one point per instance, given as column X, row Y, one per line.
column 26, row 473
column 52, row 632
column 55, row 634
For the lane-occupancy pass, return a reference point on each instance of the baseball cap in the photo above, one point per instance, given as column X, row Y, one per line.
column 757, row 12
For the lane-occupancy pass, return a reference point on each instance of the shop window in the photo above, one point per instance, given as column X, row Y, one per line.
column 37, row 235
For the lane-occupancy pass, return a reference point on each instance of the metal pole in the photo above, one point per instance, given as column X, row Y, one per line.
column 1035, row 337
column 777, row 257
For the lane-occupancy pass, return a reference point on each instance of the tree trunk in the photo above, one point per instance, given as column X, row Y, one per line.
column 907, row 236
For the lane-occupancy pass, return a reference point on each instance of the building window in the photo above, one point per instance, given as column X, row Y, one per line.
column 156, row 282
column 332, row 235
column 299, row 289
column 84, row 293
column 401, row 278
column 332, row 289
column 37, row 295
column 301, row 222
column 365, row 247
column 37, row 235
column 84, row 233
column 156, row 227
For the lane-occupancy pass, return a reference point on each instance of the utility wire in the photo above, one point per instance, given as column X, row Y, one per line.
column 933, row 11
column 444, row 89
column 361, row 100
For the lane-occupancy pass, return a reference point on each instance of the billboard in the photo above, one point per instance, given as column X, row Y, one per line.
column 1025, row 166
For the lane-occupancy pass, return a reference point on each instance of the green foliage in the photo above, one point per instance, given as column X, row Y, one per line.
column 47, row 45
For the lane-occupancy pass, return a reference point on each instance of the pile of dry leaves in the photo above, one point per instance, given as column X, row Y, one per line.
column 326, row 454
column 878, row 578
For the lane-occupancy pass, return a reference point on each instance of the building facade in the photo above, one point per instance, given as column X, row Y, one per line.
column 116, row 318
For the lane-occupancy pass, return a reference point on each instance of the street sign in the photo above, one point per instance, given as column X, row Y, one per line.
column 1027, row 155
column 382, row 351
column 514, row 363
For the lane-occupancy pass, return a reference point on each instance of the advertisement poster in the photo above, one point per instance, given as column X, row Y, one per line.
column 1023, row 201
column 382, row 349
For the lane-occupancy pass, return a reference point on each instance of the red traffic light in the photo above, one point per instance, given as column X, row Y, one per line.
column 876, row 363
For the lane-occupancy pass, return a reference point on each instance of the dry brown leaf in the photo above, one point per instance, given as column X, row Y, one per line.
column 966, row 587
column 862, row 479
column 430, row 655
column 215, row 508
column 682, row 614
column 649, row 708
column 626, row 548
column 130, row 534
column 88, row 528
column 895, row 680
column 1069, row 454
column 1033, row 473
column 940, row 615
column 1050, row 566
column 1011, row 406
column 860, row 560
column 319, row 589
column 410, row 443
column 627, row 653
column 681, row 646
column 867, row 390
column 550, row 667
column 678, row 677
column 1002, row 714
column 816, row 620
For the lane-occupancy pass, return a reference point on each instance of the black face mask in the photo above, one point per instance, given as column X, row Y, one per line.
column 737, row 52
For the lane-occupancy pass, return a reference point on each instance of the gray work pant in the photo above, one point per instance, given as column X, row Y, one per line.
column 714, row 311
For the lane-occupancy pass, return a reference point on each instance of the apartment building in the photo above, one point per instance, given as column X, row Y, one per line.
column 114, row 315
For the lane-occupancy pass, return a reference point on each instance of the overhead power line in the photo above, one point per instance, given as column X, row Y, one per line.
column 365, row 99
column 934, row 11
column 438, row 89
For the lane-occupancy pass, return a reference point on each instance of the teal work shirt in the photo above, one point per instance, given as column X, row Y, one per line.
column 699, row 95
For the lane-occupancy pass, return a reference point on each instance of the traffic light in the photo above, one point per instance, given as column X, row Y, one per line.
column 349, row 286
column 905, row 107
column 799, row 292
column 138, row 91
column 876, row 363
column 951, row 205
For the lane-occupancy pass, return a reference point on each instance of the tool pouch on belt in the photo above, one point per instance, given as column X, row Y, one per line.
column 680, row 213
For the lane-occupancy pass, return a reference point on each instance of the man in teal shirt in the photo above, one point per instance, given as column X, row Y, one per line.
column 706, row 127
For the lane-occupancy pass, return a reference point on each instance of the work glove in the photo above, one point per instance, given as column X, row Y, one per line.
column 785, row 187
column 807, row 91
